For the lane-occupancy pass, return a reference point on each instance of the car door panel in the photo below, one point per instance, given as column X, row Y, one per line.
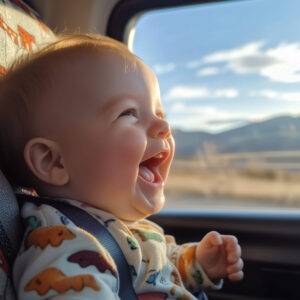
column 270, row 244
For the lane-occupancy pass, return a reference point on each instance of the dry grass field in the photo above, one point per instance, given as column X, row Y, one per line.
column 231, row 186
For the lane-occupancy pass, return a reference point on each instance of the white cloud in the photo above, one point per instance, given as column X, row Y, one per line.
column 225, row 93
column 288, row 67
column 233, row 54
column 208, row 118
column 212, row 119
column 188, row 92
column 184, row 92
column 177, row 107
column 280, row 63
column 275, row 95
column 182, row 108
column 208, row 71
column 162, row 69
column 194, row 64
column 195, row 117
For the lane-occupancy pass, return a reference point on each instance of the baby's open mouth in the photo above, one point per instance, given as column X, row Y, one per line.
column 149, row 168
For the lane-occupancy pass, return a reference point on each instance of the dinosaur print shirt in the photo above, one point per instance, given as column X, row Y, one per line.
column 59, row 260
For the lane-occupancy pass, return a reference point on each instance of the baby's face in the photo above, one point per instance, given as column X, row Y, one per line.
column 117, row 147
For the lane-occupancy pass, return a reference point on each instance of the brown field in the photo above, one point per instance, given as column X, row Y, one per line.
column 193, row 183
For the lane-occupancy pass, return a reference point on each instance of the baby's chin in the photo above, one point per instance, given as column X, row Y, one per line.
column 149, row 198
column 136, row 213
column 145, row 207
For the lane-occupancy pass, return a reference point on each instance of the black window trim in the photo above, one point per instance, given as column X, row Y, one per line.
column 126, row 13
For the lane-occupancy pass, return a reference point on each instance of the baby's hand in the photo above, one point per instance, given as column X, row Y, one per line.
column 220, row 256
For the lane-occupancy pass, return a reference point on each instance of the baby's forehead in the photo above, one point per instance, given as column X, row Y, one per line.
column 81, row 71
column 102, row 71
column 85, row 64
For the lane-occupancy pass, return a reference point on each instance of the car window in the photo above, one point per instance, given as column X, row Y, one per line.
column 229, row 77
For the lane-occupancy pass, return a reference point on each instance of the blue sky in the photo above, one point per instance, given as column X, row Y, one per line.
column 226, row 64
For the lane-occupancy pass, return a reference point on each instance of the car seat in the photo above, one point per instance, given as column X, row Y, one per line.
column 20, row 31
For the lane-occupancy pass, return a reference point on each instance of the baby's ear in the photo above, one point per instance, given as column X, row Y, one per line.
column 44, row 159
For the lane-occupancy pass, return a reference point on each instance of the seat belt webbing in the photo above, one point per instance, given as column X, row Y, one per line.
column 84, row 220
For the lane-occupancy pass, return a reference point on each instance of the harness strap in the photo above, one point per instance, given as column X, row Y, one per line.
column 84, row 220
column 6, row 246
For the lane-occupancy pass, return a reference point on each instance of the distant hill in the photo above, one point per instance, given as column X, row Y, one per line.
column 277, row 134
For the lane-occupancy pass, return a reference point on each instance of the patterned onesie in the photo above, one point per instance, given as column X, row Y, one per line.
column 59, row 260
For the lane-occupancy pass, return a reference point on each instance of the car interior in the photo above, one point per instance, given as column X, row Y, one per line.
column 270, row 239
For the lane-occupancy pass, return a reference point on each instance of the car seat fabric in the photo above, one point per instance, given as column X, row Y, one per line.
column 10, row 235
column 20, row 32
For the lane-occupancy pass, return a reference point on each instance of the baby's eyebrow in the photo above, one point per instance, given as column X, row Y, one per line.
column 111, row 103
column 117, row 99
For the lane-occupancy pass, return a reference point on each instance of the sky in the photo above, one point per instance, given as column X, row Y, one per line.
column 226, row 64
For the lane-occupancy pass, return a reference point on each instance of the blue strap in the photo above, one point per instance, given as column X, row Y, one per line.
column 84, row 220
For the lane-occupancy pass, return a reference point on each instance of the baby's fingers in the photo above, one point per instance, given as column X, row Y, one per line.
column 211, row 239
column 236, row 276
column 233, row 249
column 235, row 271
column 234, row 254
column 238, row 266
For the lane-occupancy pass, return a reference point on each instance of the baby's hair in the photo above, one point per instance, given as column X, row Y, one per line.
column 23, row 86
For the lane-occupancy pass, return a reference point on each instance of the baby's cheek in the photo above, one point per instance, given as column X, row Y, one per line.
column 130, row 145
column 120, row 157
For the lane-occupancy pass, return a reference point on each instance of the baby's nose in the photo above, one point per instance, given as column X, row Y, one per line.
column 159, row 128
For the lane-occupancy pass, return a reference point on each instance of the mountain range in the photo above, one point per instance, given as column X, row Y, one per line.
column 276, row 134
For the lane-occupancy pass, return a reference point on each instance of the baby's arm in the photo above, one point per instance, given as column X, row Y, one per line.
column 191, row 272
column 220, row 256
column 61, row 261
column 203, row 264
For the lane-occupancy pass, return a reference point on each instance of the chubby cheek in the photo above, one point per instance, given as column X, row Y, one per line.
column 112, row 164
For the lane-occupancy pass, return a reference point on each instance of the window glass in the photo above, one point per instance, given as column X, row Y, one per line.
column 230, row 84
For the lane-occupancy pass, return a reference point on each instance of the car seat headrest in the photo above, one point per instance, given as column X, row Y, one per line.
column 20, row 31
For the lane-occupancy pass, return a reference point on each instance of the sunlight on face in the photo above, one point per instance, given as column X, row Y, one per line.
column 117, row 146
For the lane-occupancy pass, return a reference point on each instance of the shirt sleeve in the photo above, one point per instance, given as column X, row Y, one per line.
column 61, row 261
column 192, row 274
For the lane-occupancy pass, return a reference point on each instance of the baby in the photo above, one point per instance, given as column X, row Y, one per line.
column 82, row 120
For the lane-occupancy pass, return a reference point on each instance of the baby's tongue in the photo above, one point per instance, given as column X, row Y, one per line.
column 146, row 173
